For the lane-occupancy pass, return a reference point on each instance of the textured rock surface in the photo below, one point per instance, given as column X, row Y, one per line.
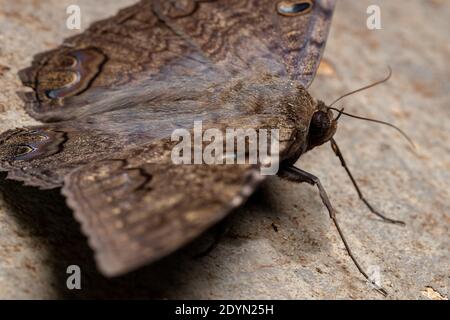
column 282, row 243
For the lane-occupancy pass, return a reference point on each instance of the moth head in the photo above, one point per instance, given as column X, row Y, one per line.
column 322, row 126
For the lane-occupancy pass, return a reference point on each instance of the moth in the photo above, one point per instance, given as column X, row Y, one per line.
column 110, row 97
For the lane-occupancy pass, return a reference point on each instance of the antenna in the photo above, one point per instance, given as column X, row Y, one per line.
column 364, row 88
column 341, row 111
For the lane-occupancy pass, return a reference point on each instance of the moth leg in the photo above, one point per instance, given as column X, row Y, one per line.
column 338, row 153
column 218, row 231
column 297, row 175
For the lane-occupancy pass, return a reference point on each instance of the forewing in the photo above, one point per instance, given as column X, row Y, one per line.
column 286, row 38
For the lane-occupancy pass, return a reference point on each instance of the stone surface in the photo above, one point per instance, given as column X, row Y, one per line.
column 282, row 243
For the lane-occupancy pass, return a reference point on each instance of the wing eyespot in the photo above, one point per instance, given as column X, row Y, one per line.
column 22, row 150
column 75, row 71
column 31, row 144
column 294, row 8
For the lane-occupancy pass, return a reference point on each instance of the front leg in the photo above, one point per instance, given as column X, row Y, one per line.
column 297, row 175
column 338, row 153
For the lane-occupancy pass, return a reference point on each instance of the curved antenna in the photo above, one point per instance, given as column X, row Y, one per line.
column 341, row 111
column 364, row 88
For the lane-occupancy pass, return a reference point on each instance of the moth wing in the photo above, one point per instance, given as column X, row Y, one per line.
column 115, row 63
column 141, row 207
column 286, row 38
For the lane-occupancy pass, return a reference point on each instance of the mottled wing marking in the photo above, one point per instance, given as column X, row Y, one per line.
column 180, row 8
column 303, row 49
column 249, row 36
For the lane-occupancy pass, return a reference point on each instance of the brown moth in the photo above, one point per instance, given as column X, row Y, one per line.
column 111, row 97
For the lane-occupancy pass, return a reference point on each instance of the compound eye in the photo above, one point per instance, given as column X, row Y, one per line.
column 320, row 124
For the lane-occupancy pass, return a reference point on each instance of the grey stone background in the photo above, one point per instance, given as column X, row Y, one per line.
column 304, row 258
